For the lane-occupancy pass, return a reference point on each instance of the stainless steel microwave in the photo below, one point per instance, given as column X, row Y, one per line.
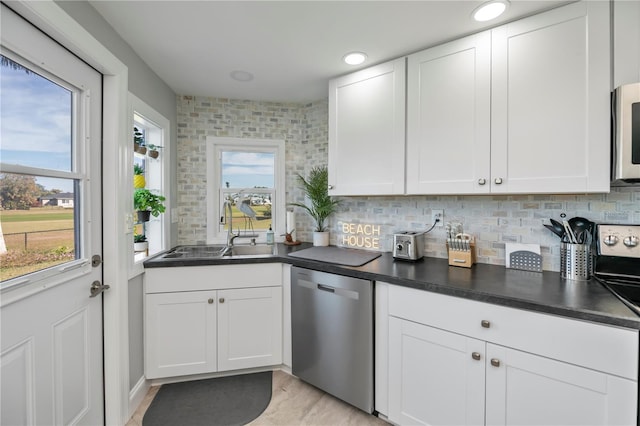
column 625, row 153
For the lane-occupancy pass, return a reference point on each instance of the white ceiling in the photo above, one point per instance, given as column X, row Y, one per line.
column 291, row 47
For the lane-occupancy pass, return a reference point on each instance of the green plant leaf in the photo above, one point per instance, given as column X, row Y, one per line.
column 315, row 188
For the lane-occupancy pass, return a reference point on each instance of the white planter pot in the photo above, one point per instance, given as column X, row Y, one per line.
column 321, row 239
column 141, row 246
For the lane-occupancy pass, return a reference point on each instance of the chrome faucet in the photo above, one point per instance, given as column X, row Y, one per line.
column 229, row 221
column 230, row 235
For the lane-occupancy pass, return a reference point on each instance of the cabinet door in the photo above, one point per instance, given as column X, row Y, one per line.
column 367, row 131
column 550, row 125
column 433, row 376
column 448, row 117
column 626, row 42
column 180, row 333
column 249, row 328
column 527, row 389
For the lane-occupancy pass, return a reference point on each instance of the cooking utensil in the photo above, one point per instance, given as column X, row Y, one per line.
column 579, row 225
column 569, row 232
column 553, row 229
column 558, row 227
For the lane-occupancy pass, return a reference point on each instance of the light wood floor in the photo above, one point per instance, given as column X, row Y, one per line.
column 293, row 402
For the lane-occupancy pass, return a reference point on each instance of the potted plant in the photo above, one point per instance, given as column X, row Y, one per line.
column 138, row 141
column 138, row 176
column 315, row 188
column 147, row 203
column 153, row 150
column 140, row 242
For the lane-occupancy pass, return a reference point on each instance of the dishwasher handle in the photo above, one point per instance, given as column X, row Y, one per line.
column 326, row 288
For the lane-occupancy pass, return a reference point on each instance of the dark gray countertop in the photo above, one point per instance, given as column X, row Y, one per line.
column 542, row 292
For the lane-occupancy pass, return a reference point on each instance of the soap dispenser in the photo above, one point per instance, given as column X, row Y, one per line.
column 270, row 235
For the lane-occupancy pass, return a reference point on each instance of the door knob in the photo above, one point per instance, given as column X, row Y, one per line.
column 97, row 288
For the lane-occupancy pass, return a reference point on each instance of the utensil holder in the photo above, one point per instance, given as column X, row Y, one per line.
column 575, row 261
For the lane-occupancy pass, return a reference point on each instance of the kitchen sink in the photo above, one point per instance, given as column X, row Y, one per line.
column 251, row 250
column 196, row 252
column 218, row 251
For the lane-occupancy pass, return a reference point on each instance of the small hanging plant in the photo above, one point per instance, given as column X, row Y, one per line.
column 153, row 150
column 139, row 145
column 147, row 203
column 138, row 176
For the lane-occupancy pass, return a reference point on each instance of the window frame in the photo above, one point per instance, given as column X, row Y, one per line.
column 214, row 146
column 41, row 279
column 140, row 113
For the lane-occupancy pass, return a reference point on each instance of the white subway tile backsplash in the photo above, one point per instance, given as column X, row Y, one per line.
column 493, row 219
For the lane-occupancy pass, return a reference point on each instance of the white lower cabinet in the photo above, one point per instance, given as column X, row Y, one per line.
column 440, row 376
column 204, row 331
column 249, row 327
column 523, row 388
column 433, row 379
column 180, row 333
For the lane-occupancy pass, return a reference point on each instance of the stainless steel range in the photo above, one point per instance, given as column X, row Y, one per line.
column 617, row 263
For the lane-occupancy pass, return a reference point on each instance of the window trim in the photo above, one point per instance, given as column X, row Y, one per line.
column 214, row 184
column 138, row 107
column 73, row 79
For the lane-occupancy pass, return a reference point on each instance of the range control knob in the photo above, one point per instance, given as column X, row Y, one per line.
column 610, row 240
column 630, row 241
column 399, row 247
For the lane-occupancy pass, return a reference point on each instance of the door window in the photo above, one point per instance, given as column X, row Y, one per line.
column 40, row 169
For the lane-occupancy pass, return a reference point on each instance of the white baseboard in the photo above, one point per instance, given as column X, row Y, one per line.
column 137, row 394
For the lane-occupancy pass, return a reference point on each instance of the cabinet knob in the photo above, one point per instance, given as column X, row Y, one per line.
column 221, row 300
column 482, row 181
column 330, row 186
column 498, row 181
column 485, row 323
column 210, row 301
column 495, row 362
column 476, row 356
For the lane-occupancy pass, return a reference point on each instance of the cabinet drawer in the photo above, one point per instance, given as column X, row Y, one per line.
column 212, row 277
column 604, row 348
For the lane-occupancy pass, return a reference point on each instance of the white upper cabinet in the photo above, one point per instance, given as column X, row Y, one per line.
column 522, row 108
column 367, row 131
column 550, row 117
column 448, row 117
column 626, row 42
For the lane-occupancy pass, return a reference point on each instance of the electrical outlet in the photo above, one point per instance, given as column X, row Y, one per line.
column 437, row 215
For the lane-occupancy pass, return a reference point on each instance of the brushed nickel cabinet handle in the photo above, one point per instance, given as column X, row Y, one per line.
column 221, row 300
column 498, row 181
column 482, row 181
column 495, row 362
column 330, row 186
column 210, row 301
column 485, row 323
column 476, row 356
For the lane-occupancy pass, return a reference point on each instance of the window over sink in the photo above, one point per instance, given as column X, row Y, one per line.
column 246, row 175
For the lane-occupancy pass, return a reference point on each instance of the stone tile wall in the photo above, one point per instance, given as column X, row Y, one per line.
column 494, row 220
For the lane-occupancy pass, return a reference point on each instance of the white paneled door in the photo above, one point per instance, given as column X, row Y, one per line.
column 51, row 355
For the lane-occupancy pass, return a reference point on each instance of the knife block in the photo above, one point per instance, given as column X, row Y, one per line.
column 462, row 258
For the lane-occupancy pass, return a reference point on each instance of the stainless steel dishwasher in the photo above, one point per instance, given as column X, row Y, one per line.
column 332, row 334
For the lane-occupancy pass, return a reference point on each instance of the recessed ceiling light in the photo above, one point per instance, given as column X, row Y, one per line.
column 490, row 10
column 354, row 58
column 240, row 75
